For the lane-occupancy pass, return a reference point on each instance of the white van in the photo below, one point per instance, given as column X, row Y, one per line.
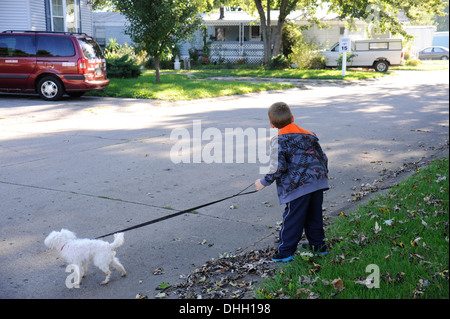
column 377, row 54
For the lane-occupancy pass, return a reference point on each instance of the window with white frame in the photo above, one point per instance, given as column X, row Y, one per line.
column 65, row 15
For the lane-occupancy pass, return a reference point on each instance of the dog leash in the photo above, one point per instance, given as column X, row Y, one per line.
column 157, row 220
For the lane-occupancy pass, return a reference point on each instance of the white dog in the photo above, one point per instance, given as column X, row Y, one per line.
column 81, row 251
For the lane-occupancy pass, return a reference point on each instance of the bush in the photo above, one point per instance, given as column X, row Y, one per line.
column 279, row 62
column 413, row 62
column 122, row 67
column 350, row 57
column 121, row 60
column 205, row 60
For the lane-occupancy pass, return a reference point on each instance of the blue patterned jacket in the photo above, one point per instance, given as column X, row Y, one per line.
column 297, row 164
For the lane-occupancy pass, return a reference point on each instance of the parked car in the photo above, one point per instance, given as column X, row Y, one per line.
column 51, row 63
column 377, row 54
column 434, row 53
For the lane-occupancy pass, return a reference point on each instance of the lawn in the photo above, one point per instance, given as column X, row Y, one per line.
column 395, row 246
column 193, row 84
column 425, row 65
column 324, row 74
column 178, row 86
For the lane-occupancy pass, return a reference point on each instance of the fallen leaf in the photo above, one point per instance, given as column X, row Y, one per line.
column 377, row 228
column 161, row 295
column 399, row 244
column 158, row 271
column 163, row 285
column 338, row 284
column 415, row 242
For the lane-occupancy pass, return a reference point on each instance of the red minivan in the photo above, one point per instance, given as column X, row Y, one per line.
column 51, row 63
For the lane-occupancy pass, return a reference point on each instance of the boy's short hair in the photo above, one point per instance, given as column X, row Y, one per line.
column 280, row 115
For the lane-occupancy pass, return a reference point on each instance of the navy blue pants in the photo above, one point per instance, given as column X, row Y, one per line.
column 303, row 213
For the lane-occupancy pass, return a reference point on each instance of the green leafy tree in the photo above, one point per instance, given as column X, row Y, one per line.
column 158, row 25
column 383, row 14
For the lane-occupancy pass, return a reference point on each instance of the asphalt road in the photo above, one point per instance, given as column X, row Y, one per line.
column 97, row 165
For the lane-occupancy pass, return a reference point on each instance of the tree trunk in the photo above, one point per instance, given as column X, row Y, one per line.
column 265, row 28
column 286, row 7
column 158, row 80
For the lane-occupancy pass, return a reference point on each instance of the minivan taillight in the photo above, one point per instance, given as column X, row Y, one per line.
column 82, row 66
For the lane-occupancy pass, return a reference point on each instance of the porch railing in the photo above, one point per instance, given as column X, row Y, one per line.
column 251, row 52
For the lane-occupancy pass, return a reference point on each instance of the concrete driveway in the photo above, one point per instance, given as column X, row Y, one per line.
column 97, row 165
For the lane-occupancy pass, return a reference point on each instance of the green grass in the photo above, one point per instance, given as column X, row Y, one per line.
column 404, row 233
column 175, row 87
column 425, row 65
column 324, row 74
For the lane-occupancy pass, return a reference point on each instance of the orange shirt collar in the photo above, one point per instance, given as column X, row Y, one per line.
column 293, row 128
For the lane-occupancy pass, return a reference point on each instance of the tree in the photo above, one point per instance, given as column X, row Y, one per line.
column 158, row 25
column 382, row 13
column 102, row 4
column 272, row 34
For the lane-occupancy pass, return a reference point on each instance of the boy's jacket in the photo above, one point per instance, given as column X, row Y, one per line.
column 297, row 164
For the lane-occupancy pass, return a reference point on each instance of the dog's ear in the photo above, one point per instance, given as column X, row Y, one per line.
column 68, row 234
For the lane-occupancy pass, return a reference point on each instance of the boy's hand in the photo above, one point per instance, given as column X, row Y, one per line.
column 258, row 185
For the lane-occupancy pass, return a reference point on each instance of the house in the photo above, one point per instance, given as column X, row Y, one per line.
column 47, row 15
column 110, row 25
column 237, row 35
column 423, row 37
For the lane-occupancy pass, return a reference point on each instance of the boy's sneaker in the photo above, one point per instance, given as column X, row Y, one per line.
column 281, row 258
column 322, row 250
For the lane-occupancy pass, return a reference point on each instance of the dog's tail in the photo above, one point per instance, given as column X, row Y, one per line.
column 118, row 240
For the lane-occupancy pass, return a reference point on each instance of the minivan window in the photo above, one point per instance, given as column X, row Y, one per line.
column 90, row 48
column 51, row 46
column 17, row 46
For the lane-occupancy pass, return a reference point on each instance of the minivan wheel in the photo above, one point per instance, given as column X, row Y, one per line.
column 381, row 66
column 50, row 88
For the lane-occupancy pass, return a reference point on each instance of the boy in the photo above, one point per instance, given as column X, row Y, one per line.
column 300, row 172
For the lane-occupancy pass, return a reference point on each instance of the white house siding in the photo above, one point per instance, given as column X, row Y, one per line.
column 326, row 37
column 13, row 15
column 30, row 15
column 86, row 18
column 195, row 42
column 423, row 37
column 36, row 15
column 110, row 25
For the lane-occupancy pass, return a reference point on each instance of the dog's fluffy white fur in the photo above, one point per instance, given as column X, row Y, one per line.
column 81, row 251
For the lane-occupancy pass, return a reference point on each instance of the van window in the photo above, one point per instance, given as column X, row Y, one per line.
column 378, row 46
column 17, row 46
column 362, row 46
column 395, row 45
column 335, row 48
column 90, row 48
column 51, row 46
